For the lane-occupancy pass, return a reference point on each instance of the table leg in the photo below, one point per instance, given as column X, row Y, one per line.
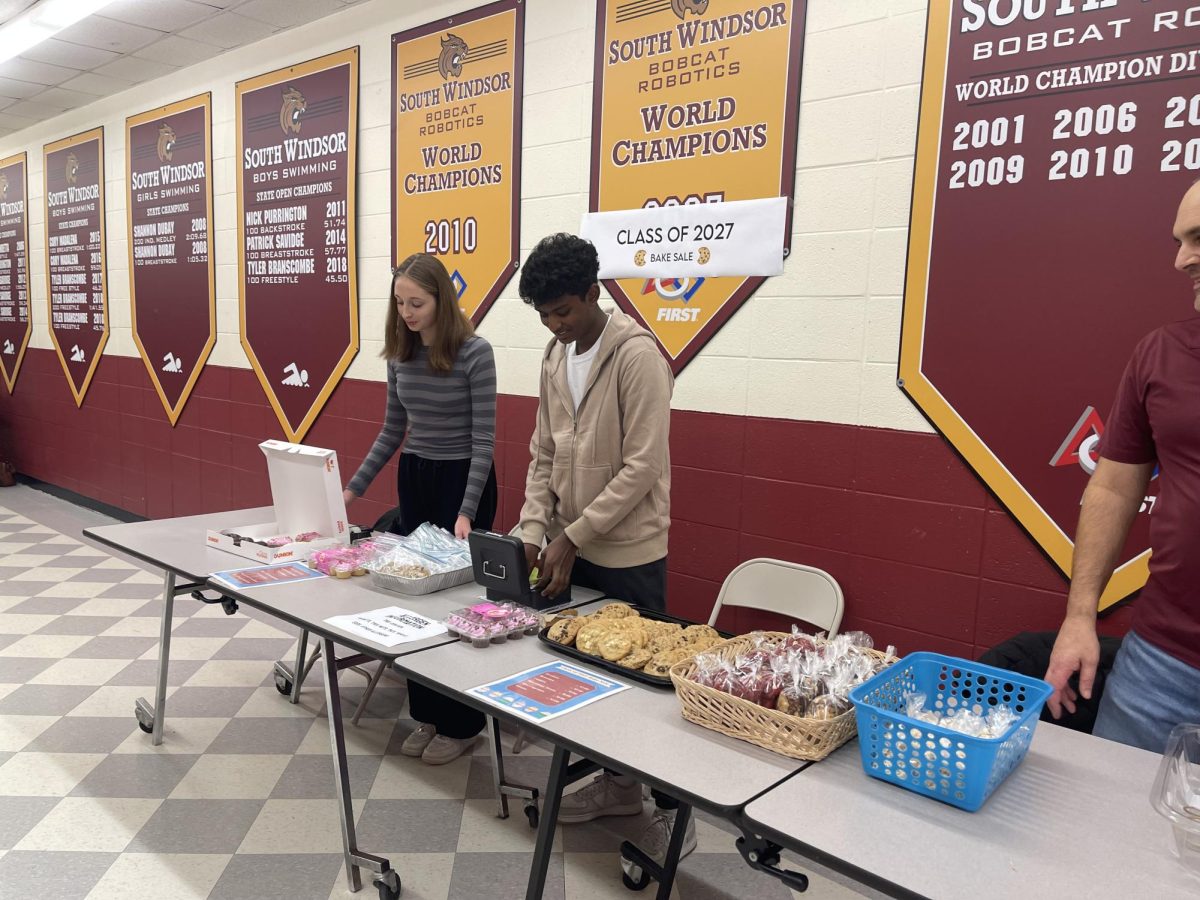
column 298, row 667
column 341, row 781
column 152, row 719
column 497, row 754
column 545, row 839
column 671, row 862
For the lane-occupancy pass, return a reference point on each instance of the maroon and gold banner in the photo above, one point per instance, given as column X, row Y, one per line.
column 168, row 162
column 1056, row 140
column 297, row 129
column 77, row 286
column 694, row 101
column 15, row 318
column 456, row 147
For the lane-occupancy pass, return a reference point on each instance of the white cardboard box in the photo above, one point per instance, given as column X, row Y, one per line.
column 306, row 491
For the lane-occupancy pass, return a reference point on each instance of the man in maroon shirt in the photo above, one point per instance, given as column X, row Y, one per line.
column 1155, row 681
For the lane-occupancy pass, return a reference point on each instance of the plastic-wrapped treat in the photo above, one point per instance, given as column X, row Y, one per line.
column 792, row 700
column 778, row 675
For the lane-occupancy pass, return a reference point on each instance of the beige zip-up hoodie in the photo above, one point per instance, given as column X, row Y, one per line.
column 603, row 475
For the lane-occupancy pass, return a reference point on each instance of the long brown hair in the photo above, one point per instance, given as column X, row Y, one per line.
column 451, row 326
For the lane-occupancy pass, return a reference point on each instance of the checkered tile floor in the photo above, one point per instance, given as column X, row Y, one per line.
column 237, row 803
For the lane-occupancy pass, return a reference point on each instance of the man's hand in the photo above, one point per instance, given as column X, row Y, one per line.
column 348, row 496
column 462, row 527
column 555, row 565
column 1077, row 649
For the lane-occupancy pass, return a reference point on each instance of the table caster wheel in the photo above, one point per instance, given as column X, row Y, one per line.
column 283, row 685
column 637, row 881
column 145, row 723
column 389, row 885
column 531, row 813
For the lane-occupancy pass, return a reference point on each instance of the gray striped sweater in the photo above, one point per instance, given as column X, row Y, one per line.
column 449, row 415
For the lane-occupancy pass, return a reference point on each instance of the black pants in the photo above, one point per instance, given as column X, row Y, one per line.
column 644, row 585
column 431, row 490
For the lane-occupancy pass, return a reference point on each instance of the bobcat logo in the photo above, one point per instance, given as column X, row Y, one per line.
column 166, row 142
column 294, row 106
column 72, row 169
column 454, row 51
column 3, row 187
column 682, row 7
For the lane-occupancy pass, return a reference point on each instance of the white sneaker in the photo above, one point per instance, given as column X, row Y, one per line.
column 654, row 840
column 442, row 749
column 415, row 743
column 603, row 797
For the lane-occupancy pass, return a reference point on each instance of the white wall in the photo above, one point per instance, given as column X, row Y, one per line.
column 817, row 343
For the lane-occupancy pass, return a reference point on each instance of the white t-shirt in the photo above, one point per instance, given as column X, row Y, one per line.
column 579, row 367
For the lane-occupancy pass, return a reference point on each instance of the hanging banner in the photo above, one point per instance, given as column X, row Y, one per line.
column 297, row 133
column 73, row 169
column 456, row 147
column 15, row 313
column 168, row 163
column 737, row 237
column 694, row 101
column 1055, row 143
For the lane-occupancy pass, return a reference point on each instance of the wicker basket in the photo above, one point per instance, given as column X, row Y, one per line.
column 416, row 587
column 792, row 736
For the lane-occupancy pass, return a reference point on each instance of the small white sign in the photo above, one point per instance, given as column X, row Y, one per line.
column 389, row 626
column 737, row 237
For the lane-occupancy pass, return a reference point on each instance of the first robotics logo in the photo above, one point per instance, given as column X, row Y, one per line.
column 674, row 289
column 1081, row 447
column 1081, row 442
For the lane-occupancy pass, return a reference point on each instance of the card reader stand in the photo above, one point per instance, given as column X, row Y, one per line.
column 499, row 564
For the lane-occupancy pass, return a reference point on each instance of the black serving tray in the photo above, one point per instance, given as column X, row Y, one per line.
column 600, row 662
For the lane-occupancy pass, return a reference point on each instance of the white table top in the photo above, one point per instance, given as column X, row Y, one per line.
column 1073, row 820
column 179, row 545
column 639, row 731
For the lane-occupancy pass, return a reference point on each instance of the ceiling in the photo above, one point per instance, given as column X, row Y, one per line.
column 130, row 42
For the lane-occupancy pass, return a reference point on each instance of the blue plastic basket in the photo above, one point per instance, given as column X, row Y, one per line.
column 950, row 766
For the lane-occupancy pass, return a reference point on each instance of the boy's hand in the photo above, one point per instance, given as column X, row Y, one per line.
column 556, row 563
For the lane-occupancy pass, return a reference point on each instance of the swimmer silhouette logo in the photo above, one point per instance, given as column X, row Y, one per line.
column 694, row 101
column 456, row 123
column 3, row 187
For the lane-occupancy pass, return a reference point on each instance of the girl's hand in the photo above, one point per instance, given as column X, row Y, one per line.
column 462, row 527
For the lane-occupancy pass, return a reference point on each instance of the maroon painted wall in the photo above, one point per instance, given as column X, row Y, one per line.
column 924, row 555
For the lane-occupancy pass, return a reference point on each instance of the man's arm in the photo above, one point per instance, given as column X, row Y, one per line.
column 1110, row 503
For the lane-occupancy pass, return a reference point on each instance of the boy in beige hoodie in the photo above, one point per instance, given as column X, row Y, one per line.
column 599, row 482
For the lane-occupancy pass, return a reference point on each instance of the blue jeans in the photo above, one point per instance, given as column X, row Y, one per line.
column 1147, row 694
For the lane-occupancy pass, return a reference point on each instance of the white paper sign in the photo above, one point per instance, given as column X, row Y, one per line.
column 389, row 626
column 738, row 237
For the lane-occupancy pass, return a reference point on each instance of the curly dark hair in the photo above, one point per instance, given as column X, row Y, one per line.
column 560, row 264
